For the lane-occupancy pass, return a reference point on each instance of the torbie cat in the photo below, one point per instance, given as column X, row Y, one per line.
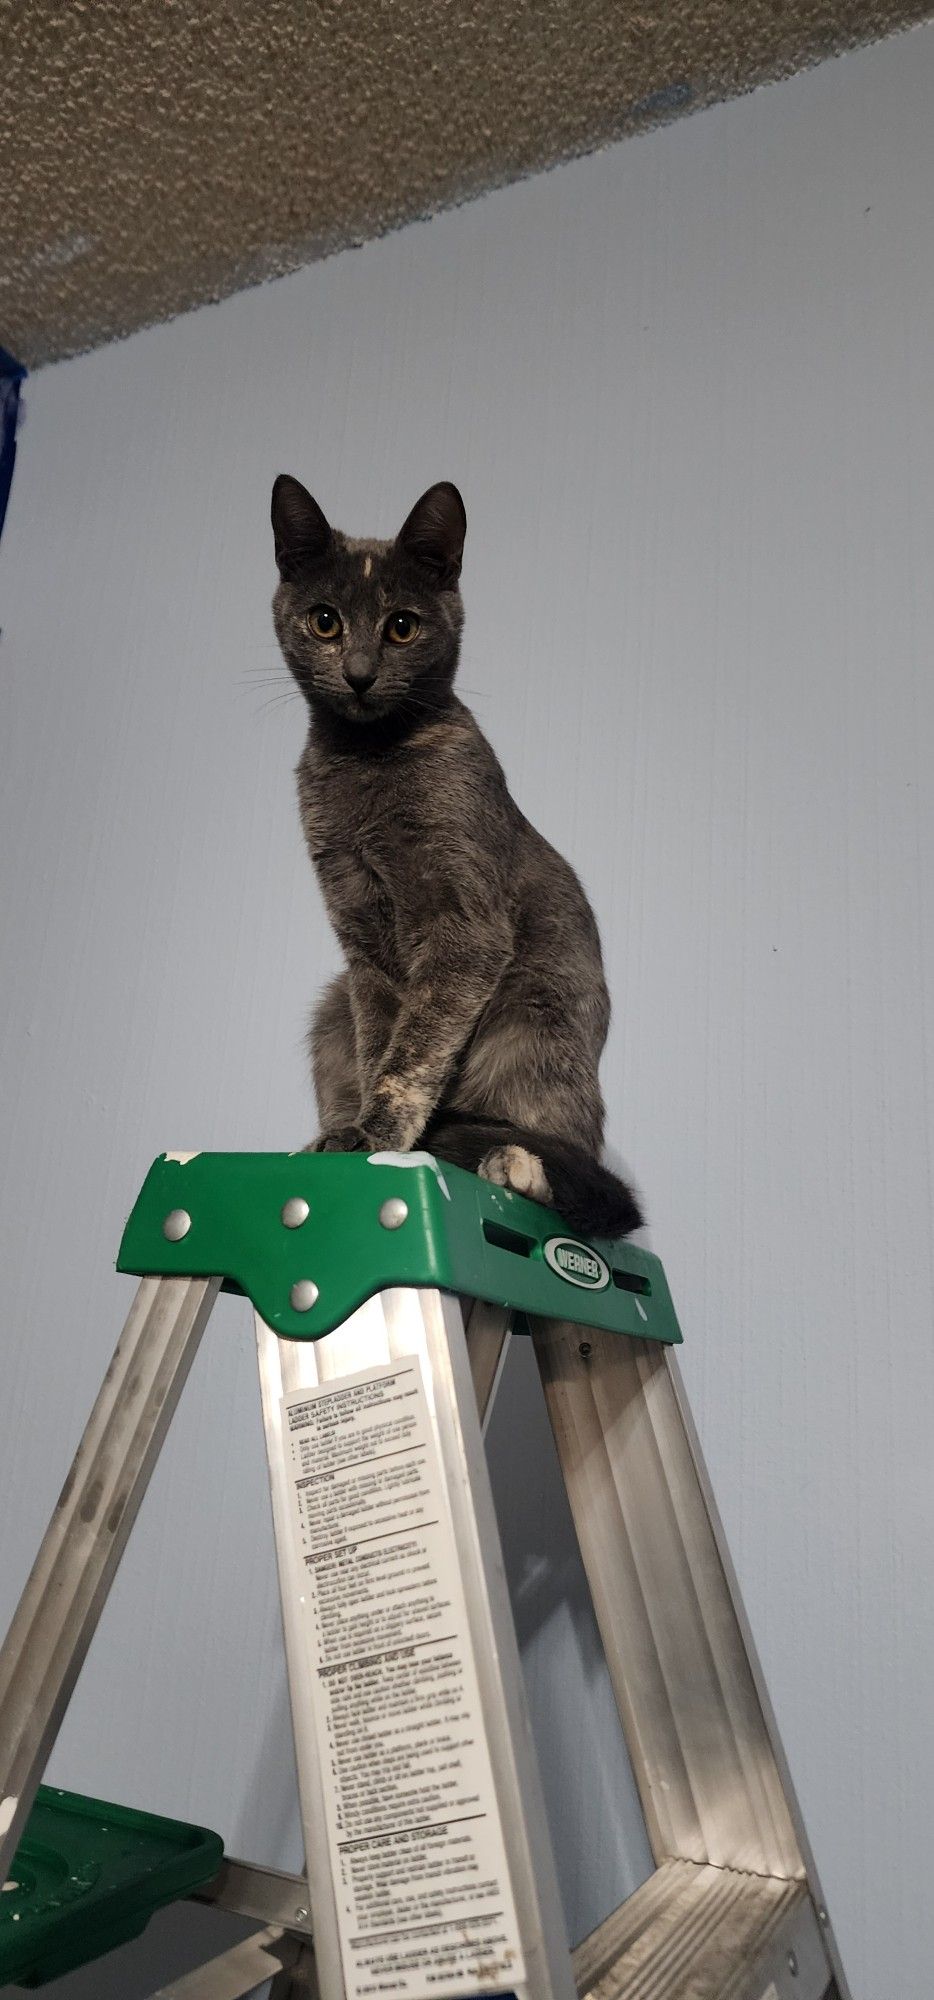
column 473, row 1011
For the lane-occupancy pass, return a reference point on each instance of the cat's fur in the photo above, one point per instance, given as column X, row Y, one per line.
column 473, row 1011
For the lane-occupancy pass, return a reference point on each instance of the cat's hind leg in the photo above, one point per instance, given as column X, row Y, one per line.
column 492, row 1149
column 541, row 1165
column 515, row 1167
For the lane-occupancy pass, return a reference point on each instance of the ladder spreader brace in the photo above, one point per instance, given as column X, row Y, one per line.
column 384, row 1291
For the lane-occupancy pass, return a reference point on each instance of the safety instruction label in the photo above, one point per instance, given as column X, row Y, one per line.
column 424, row 1901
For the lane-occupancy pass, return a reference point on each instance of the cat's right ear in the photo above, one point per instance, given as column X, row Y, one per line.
column 301, row 531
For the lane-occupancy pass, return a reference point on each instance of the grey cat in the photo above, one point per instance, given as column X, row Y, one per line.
column 473, row 1011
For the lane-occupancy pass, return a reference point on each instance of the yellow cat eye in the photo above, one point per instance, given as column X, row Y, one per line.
column 401, row 628
column 324, row 622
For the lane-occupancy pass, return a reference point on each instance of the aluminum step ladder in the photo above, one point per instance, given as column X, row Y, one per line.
column 385, row 1291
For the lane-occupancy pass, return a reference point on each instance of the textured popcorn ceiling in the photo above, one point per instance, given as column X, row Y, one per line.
column 158, row 153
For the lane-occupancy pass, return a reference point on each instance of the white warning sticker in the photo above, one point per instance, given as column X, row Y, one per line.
column 423, row 1895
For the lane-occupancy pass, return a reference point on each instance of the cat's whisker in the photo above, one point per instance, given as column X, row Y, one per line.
column 274, row 701
column 273, row 681
column 260, row 674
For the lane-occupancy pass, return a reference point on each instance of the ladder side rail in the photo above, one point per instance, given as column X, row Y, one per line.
column 676, row 1656
column 755, row 1668
column 284, row 1366
column 499, row 1668
column 77, row 1561
column 395, row 1324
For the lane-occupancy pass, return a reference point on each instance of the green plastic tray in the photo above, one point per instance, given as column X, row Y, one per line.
column 88, row 1876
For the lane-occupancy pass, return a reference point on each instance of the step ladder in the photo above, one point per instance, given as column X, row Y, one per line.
column 385, row 1291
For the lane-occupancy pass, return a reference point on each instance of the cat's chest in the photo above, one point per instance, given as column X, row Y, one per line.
column 362, row 858
column 351, row 822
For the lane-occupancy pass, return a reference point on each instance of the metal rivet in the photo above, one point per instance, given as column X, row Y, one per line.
column 300, row 1915
column 793, row 1964
column 822, row 1916
column 295, row 1212
column 176, row 1225
column 585, row 1349
column 303, row 1295
column 394, row 1212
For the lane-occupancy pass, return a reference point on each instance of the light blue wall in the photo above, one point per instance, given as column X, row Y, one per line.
column 686, row 388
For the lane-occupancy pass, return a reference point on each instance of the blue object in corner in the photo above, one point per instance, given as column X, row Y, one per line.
column 12, row 377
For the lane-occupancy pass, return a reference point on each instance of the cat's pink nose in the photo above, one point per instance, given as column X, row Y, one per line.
column 359, row 674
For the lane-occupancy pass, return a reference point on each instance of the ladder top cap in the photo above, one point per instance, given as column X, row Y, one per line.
column 310, row 1236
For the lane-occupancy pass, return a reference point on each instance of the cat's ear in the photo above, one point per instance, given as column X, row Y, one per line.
column 301, row 531
column 433, row 535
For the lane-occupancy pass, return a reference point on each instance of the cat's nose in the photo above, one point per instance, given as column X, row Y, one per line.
column 359, row 674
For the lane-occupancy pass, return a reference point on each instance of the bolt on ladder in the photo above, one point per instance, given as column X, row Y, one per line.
column 384, row 1293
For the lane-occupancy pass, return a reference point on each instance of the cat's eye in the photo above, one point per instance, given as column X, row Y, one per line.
column 401, row 628
column 324, row 622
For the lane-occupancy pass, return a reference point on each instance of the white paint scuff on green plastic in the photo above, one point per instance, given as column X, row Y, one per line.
column 411, row 1160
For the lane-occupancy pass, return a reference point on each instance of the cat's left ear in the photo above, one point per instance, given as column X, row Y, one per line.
column 433, row 535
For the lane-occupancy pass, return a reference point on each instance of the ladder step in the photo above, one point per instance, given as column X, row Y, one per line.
column 696, row 1932
column 87, row 1876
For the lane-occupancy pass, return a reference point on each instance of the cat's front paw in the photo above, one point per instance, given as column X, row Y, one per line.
column 344, row 1139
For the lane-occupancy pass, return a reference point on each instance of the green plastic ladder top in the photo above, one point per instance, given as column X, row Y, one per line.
column 309, row 1236
column 88, row 1876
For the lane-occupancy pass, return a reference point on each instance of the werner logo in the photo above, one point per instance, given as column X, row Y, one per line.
column 576, row 1263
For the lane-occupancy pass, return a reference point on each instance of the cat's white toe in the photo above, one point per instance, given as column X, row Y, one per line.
column 514, row 1167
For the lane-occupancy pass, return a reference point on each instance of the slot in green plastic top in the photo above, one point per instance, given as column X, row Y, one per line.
column 309, row 1236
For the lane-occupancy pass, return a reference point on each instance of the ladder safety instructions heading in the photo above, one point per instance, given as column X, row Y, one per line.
column 424, row 1900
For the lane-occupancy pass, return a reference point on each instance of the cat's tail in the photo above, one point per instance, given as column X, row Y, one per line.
column 543, row 1165
column 589, row 1195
